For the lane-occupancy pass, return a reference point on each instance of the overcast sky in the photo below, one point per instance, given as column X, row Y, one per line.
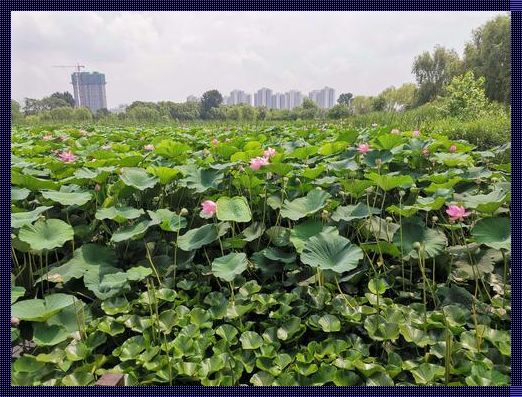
column 155, row 56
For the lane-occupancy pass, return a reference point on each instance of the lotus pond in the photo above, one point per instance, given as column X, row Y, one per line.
column 287, row 255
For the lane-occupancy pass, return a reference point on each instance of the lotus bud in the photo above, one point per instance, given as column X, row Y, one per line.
column 378, row 162
column 416, row 245
column 15, row 321
column 389, row 219
column 151, row 245
column 435, row 218
column 402, row 193
column 369, row 190
column 97, row 188
column 184, row 212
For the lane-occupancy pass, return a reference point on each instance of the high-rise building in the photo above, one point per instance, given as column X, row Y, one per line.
column 324, row 98
column 263, row 98
column 279, row 101
column 89, row 90
column 293, row 99
column 238, row 97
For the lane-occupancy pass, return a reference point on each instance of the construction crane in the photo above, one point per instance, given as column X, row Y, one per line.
column 78, row 68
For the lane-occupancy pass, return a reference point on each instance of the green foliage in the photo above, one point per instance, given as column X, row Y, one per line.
column 465, row 97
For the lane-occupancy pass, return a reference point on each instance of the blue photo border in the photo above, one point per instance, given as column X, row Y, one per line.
column 6, row 6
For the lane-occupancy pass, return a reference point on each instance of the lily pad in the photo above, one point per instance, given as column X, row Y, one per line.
column 137, row 178
column 229, row 266
column 19, row 219
column 493, row 232
column 119, row 214
column 350, row 212
column 47, row 234
column 233, row 209
column 204, row 235
column 329, row 251
column 301, row 207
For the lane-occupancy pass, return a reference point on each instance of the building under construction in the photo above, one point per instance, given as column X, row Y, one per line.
column 89, row 90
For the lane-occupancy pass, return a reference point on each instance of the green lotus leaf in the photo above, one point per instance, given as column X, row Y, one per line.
column 300, row 234
column 172, row 149
column 200, row 179
column 251, row 340
column 356, row 187
column 279, row 236
column 90, row 262
column 427, row 373
column 168, row 220
column 19, row 219
column 40, row 310
column 119, row 214
column 379, row 329
column 493, row 232
column 67, row 198
column 164, row 174
column 389, row 182
column 303, row 206
column 329, row 251
column 16, row 293
column 32, row 183
column 254, row 231
column 233, row 209
column 47, row 234
column 49, row 335
column 329, row 323
column 350, row 212
column 229, row 266
column 204, row 235
column 262, row 379
column 137, row 178
column 487, row 202
column 18, row 194
column 132, row 232
column 432, row 241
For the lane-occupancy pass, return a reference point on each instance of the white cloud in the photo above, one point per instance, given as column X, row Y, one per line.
column 170, row 55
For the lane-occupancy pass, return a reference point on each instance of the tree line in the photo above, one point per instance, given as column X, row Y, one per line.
column 457, row 85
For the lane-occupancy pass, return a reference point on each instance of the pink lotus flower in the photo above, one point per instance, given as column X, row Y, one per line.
column 97, row 188
column 426, row 152
column 416, row 133
column 363, row 148
column 452, row 148
column 67, row 157
column 63, row 138
column 395, row 131
column 457, row 213
column 215, row 141
column 149, row 147
column 269, row 153
column 47, row 137
column 257, row 162
column 208, row 207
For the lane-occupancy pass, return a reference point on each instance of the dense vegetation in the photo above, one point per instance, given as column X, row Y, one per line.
column 307, row 254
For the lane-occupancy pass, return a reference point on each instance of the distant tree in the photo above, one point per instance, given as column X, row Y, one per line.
column 379, row 103
column 82, row 114
column 362, row 104
column 143, row 113
column 345, row 99
column 433, row 71
column 210, row 99
column 398, row 99
column 16, row 114
column 102, row 113
column 339, row 111
column 64, row 113
column 466, row 97
column 489, row 55
column 65, row 96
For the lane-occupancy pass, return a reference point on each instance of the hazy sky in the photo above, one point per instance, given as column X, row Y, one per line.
column 169, row 55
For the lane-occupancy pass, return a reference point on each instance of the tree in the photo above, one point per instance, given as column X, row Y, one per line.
column 64, row 113
column 398, row 99
column 362, row 104
column 210, row 99
column 16, row 114
column 379, row 103
column 143, row 113
column 434, row 71
column 339, row 111
column 489, row 55
column 64, row 96
column 466, row 97
column 345, row 99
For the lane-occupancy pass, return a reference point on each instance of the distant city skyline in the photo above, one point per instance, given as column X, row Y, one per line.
column 155, row 56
